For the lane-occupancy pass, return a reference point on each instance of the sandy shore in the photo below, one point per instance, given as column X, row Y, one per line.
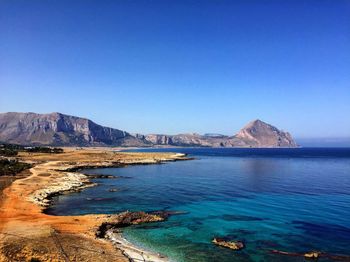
column 26, row 233
column 133, row 252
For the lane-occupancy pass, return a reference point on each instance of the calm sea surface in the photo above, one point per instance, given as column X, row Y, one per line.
column 294, row 200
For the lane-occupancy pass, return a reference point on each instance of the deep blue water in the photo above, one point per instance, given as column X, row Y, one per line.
column 293, row 200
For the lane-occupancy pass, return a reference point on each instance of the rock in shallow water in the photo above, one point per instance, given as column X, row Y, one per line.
column 312, row 255
column 234, row 245
column 128, row 218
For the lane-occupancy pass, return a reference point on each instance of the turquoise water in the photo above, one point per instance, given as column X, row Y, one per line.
column 294, row 200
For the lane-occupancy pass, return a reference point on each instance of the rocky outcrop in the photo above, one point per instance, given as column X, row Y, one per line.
column 57, row 129
column 60, row 130
column 312, row 255
column 128, row 218
column 234, row 245
column 72, row 182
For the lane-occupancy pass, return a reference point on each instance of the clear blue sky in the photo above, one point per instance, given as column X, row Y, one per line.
column 180, row 66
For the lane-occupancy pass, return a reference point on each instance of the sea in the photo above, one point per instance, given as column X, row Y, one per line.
column 291, row 200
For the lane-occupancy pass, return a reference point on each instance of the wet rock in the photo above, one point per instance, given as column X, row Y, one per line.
column 234, row 245
column 312, row 255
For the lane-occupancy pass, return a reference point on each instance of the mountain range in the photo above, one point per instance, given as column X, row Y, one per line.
column 56, row 129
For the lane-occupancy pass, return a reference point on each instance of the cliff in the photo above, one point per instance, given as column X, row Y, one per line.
column 60, row 130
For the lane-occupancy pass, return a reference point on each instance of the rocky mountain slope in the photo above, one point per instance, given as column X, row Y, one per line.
column 64, row 130
column 260, row 134
column 60, row 130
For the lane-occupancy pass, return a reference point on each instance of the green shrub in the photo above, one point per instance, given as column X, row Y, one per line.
column 12, row 167
column 8, row 152
column 12, row 150
column 39, row 149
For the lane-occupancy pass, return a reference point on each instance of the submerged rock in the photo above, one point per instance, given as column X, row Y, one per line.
column 167, row 213
column 234, row 245
column 312, row 255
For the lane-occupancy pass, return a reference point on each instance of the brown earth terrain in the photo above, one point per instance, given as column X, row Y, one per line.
column 28, row 234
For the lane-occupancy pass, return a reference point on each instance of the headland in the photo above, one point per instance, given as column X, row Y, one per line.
column 28, row 234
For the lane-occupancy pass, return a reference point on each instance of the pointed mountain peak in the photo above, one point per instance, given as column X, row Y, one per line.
column 256, row 122
column 260, row 134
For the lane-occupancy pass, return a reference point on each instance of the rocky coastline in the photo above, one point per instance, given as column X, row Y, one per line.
column 26, row 232
column 72, row 182
column 75, row 182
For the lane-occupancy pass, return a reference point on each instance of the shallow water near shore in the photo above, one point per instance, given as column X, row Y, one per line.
column 294, row 200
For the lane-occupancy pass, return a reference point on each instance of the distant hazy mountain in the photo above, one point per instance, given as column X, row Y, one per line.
column 255, row 134
column 64, row 130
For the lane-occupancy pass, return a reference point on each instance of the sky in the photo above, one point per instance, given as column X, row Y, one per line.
column 180, row 66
